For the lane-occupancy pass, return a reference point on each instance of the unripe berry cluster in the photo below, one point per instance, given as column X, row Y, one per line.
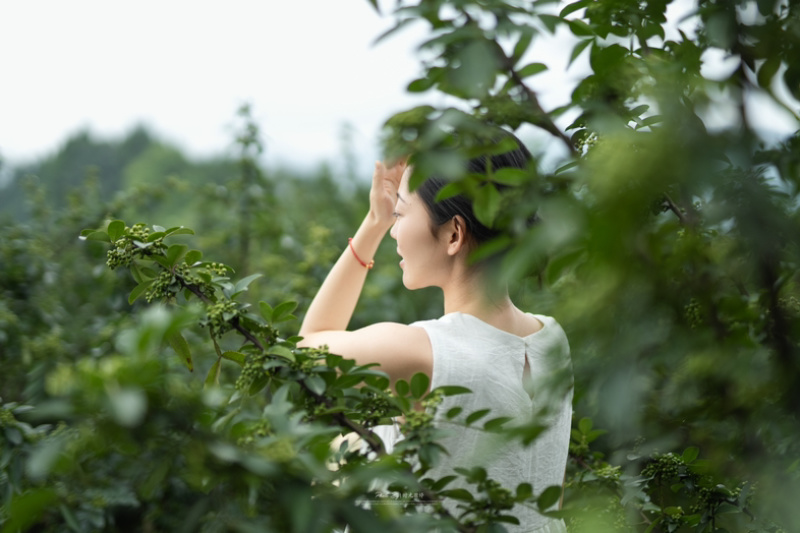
column 164, row 286
column 124, row 248
column 188, row 276
column 499, row 497
column 217, row 268
column 219, row 317
column 664, row 468
column 693, row 313
column 260, row 429
column 375, row 407
column 6, row 418
column 416, row 420
column 253, row 369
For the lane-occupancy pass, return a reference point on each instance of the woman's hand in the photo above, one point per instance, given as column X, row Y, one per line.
column 383, row 195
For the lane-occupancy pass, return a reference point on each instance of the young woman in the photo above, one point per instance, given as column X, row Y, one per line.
column 483, row 341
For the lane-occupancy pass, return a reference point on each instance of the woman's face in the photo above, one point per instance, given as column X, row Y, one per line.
column 423, row 255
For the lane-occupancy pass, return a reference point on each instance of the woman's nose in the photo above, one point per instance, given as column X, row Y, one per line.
column 393, row 230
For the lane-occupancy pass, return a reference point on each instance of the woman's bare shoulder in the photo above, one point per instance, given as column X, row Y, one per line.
column 400, row 349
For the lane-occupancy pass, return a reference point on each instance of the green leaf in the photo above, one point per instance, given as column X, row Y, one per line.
column 564, row 168
column 550, row 22
column 346, row 381
column 453, row 390
column 420, row 85
column 401, row 387
column 96, row 236
column 525, row 39
column 579, row 28
column 442, row 482
column 266, row 311
column 477, row 415
column 453, row 412
column 510, row 176
column 243, row 283
column 487, row 204
column 237, row 357
column 576, row 51
column 180, row 230
column 24, row 509
column 282, row 351
column 549, row 497
column 650, row 121
column 315, row 384
column 213, row 374
column 419, row 385
column 283, row 312
column 181, row 347
column 459, row 494
column 175, row 253
column 139, row 290
column 561, row 263
column 116, row 229
column 451, row 189
column 690, row 454
column 531, row 69
column 496, row 423
column 490, row 248
column 524, row 491
column 585, row 425
column 573, row 7
column 193, row 256
column 768, row 70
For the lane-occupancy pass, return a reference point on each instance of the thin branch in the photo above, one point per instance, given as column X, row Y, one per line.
column 544, row 121
column 675, row 209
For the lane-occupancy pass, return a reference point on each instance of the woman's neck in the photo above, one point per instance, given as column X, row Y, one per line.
column 473, row 296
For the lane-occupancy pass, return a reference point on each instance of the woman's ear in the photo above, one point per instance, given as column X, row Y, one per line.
column 456, row 235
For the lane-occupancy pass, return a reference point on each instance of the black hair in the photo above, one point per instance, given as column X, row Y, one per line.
column 444, row 210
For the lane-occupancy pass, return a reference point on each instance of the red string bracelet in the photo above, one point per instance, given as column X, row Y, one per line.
column 365, row 265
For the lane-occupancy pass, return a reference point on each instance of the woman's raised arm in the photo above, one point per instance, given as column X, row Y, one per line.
column 336, row 299
column 401, row 350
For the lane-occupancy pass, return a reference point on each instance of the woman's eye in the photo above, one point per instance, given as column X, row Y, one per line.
column 395, row 214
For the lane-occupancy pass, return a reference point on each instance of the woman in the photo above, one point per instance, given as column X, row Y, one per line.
column 483, row 341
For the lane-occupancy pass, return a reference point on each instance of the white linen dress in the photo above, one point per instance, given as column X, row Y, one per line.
column 490, row 362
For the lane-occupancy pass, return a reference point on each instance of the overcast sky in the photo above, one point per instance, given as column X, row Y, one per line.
column 307, row 67
column 183, row 67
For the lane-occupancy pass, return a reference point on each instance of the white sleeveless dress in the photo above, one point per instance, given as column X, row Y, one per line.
column 490, row 362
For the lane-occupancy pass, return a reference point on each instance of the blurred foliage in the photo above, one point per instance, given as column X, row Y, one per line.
column 667, row 247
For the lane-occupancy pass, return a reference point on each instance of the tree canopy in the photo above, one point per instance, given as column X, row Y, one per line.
column 667, row 248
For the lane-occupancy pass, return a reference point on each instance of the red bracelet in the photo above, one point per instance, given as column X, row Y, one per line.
column 365, row 265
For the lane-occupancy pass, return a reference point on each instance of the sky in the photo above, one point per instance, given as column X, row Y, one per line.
column 181, row 67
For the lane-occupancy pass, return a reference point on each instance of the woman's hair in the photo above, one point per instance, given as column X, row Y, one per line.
column 444, row 210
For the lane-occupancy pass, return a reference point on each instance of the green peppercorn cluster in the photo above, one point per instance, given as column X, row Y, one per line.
column 252, row 371
column 125, row 247
column 693, row 313
column 219, row 269
column 188, row 275
column 219, row 316
column 374, row 408
column 498, row 498
column 709, row 496
column 664, row 468
column 6, row 418
column 416, row 420
column 258, row 430
column 164, row 286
